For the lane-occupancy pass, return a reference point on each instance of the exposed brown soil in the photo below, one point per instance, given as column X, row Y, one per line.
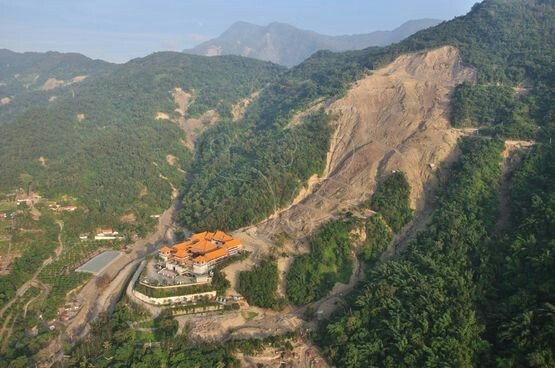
column 52, row 83
column 393, row 119
column 130, row 218
column 171, row 160
column 214, row 51
column 238, row 110
column 192, row 127
column 162, row 116
column 182, row 99
column 42, row 161
column 303, row 354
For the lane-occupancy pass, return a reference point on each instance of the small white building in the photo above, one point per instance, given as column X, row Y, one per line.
column 107, row 234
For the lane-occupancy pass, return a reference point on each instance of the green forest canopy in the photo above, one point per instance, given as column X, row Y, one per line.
column 113, row 158
column 417, row 310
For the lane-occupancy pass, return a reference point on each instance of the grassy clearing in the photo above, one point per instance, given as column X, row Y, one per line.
column 248, row 315
column 146, row 324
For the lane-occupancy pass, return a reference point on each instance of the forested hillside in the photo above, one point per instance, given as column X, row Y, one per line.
column 463, row 293
column 30, row 70
column 418, row 310
column 508, row 42
column 475, row 287
column 31, row 79
column 460, row 295
column 101, row 143
column 518, row 303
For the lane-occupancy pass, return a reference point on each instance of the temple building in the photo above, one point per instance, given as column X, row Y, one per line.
column 200, row 253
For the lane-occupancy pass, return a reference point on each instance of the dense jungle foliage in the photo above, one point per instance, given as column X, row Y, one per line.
column 391, row 200
column 378, row 237
column 25, row 73
column 259, row 285
column 333, row 247
column 417, row 310
column 241, row 175
column 501, row 110
column 330, row 260
column 463, row 294
column 468, row 291
column 518, row 302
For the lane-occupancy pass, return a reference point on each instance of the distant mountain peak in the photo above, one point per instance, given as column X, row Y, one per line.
column 288, row 45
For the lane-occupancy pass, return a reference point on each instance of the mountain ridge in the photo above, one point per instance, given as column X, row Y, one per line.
column 288, row 45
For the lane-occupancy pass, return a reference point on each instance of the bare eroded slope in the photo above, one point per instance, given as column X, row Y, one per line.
column 192, row 127
column 393, row 119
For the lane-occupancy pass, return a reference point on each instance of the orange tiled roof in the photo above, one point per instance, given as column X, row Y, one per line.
column 182, row 253
column 221, row 236
column 200, row 259
column 233, row 243
column 200, row 236
column 182, row 246
column 165, row 250
column 203, row 246
column 210, row 256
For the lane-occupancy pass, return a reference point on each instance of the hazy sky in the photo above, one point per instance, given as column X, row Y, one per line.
column 118, row 30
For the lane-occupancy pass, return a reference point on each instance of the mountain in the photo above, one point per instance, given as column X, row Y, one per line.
column 470, row 282
column 29, row 79
column 495, row 39
column 287, row 45
column 354, row 167
column 34, row 68
column 114, row 137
